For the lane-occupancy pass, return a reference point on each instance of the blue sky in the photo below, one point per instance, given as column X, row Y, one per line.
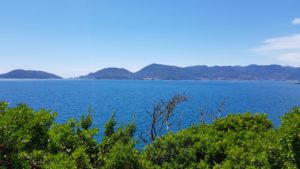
column 75, row 37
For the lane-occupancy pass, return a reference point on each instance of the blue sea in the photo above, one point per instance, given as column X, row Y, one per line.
column 130, row 99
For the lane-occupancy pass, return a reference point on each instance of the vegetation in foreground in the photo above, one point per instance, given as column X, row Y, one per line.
column 31, row 139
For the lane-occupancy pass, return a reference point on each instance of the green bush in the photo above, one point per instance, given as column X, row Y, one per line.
column 290, row 138
column 31, row 139
column 236, row 141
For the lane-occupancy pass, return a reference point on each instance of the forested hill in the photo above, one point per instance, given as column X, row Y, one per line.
column 110, row 73
column 28, row 74
column 166, row 72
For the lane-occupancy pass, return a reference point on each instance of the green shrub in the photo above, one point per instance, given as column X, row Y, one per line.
column 31, row 139
column 290, row 138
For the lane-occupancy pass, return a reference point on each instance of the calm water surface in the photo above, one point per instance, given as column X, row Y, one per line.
column 72, row 98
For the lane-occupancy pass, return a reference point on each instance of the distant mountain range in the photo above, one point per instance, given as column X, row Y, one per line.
column 166, row 72
column 28, row 74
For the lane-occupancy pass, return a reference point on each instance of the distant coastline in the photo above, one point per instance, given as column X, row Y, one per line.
column 166, row 72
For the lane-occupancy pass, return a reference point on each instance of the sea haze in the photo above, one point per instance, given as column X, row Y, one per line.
column 132, row 99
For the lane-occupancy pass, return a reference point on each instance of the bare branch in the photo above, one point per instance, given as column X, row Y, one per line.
column 162, row 111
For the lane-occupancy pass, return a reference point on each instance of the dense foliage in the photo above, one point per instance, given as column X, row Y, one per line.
column 32, row 139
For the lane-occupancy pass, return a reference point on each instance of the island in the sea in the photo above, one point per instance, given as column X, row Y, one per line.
column 29, row 74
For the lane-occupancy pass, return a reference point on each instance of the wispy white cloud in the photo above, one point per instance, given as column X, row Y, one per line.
column 284, row 49
column 290, row 57
column 279, row 43
column 296, row 21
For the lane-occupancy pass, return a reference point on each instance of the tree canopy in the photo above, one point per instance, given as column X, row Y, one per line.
column 32, row 139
